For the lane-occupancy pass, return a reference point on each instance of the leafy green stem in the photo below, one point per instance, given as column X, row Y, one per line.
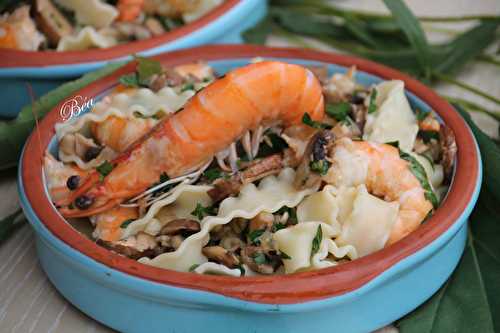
column 465, row 86
column 488, row 59
column 473, row 107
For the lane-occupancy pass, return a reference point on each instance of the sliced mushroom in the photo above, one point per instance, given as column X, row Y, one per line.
column 135, row 247
column 359, row 113
column 448, row 150
column 316, row 152
column 250, row 254
column 263, row 221
column 133, row 31
column 231, row 243
column 180, row 226
column 154, row 26
column 170, row 242
column 221, row 256
column 51, row 21
column 259, row 169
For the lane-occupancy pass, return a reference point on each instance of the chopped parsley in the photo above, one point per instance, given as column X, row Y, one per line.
column 419, row 172
column 126, row 223
column 393, row 143
column 104, row 169
column 317, row 241
column 259, row 258
column 187, row 86
column 201, row 211
column 129, row 80
column 213, row 174
column 193, row 267
column 242, row 269
column 320, row 166
column 278, row 226
column 421, row 115
column 372, row 106
column 306, row 119
column 146, row 68
column 283, row 255
column 338, row 111
column 254, row 236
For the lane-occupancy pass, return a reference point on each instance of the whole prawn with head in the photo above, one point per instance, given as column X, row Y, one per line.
column 262, row 94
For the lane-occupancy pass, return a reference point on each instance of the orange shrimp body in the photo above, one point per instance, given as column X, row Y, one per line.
column 129, row 9
column 260, row 94
column 119, row 133
column 386, row 175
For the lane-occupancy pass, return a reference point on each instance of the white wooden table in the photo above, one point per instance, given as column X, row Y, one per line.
column 29, row 303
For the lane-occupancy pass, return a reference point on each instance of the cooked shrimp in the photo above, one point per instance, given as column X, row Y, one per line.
column 119, row 133
column 129, row 9
column 108, row 224
column 386, row 175
column 18, row 31
column 261, row 94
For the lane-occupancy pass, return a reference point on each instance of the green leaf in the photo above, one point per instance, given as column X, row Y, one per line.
column 338, row 111
column 419, row 172
column 421, row 115
column 146, row 68
column 372, row 106
column 193, row 267
column 316, row 241
column 201, row 211
column 306, row 119
column 213, row 174
column 187, row 86
column 467, row 46
column 428, row 135
column 126, row 223
column 129, row 80
column 285, row 256
column 254, row 236
column 105, row 168
column 259, row 258
column 259, row 33
column 413, row 31
column 11, row 224
column 321, row 167
column 14, row 133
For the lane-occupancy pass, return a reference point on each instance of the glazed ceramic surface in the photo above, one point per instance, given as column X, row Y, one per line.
column 358, row 296
column 44, row 71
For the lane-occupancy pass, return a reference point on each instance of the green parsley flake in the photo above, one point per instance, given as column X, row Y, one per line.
column 306, row 119
column 259, row 258
column 372, row 106
column 146, row 68
column 285, row 256
column 193, row 267
column 419, row 172
column 317, row 241
column 338, row 111
column 187, row 86
column 320, row 166
column 201, row 211
column 129, row 80
column 104, row 169
column 126, row 223
column 213, row 174
column 254, row 235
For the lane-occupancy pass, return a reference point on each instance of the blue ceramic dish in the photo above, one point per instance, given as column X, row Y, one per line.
column 359, row 296
column 44, row 71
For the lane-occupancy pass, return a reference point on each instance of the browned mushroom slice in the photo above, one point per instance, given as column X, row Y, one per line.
column 135, row 247
column 259, row 169
column 51, row 21
column 262, row 221
column 180, row 226
column 448, row 149
column 255, row 258
column 221, row 256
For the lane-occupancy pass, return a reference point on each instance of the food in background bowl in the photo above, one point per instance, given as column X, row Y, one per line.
column 74, row 25
column 273, row 168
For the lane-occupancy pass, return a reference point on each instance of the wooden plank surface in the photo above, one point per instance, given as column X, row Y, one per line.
column 29, row 303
